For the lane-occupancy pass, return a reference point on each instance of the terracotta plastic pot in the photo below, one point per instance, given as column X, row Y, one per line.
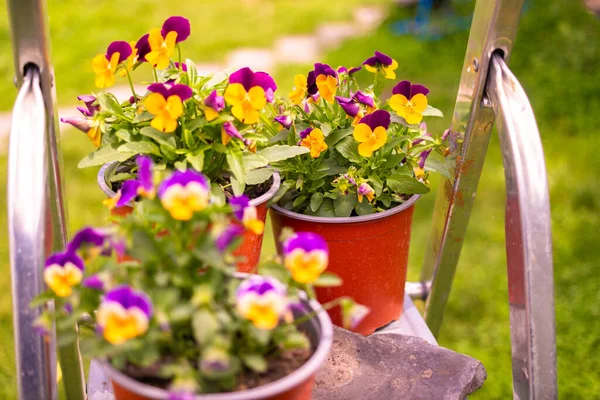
column 369, row 253
column 296, row 386
column 251, row 242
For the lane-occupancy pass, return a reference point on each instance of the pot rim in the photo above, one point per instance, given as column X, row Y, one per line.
column 109, row 167
column 275, row 388
column 348, row 220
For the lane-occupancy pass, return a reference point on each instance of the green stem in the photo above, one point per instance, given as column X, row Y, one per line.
column 72, row 370
column 155, row 75
column 131, row 84
column 179, row 52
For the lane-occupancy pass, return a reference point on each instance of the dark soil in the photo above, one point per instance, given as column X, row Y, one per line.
column 280, row 366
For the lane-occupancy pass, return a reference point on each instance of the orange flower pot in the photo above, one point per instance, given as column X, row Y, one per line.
column 251, row 245
column 369, row 253
column 296, row 386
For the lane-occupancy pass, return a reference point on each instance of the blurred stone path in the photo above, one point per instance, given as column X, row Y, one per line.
column 295, row 49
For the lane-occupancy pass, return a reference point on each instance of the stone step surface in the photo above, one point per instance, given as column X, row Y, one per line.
column 393, row 366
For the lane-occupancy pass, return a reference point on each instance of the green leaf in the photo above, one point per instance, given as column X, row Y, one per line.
column 283, row 189
column 281, row 136
column 162, row 138
column 296, row 340
column 254, row 161
column 334, row 167
column 257, row 176
column 196, row 160
column 192, row 71
column 144, row 147
column 327, row 279
column 348, row 148
column 344, row 205
column 104, row 155
column 432, row 112
column 205, row 325
column 255, row 362
column 437, row 163
column 123, row 134
column 168, row 152
column 377, row 184
column 315, row 201
column 217, row 194
column 282, row 152
column 326, row 209
column 364, row 208
column 299, row 200
column 393, row 160
column 235, row 160
column 325, row 128
column 406, row 184
column 180, row 165
column 338, row 135
column 108, row 102
column 143, row 117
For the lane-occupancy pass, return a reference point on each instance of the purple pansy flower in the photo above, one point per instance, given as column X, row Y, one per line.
column 90, row 109
column 306, row 256
column 409, row 90
column 423, row 158
column 284, row 120
column 182, row 66
column 91, row 242
column 262, row 300
column 143, row 48
column 377, row 118
column 124, row 314
column 311, row 79
column 184, row 92
column 183, row 193
column 229, row 131
column 303, row 134
column 62, row 271
column 177, row 24
column 246, row 214
column 238, row 205
column 228, row 235
column 93, row 282
column 142, row 186
column 349, row 106
column 249, row 79
column 121, row 47
column 215, row 101
column 378, row 59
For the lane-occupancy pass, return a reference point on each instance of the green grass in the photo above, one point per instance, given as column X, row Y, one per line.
column 556, row 59
column 80, row 29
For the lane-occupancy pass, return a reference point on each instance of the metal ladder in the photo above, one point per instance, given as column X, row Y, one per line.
column 488, row 92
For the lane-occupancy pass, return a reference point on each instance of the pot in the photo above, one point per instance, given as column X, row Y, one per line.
column 369, row 253
column 251, row 245
column 296, row 386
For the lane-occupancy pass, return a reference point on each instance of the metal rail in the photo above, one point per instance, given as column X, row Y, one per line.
column 494, row 28
column 27, row 177
column 35, row 203
column 528, row 238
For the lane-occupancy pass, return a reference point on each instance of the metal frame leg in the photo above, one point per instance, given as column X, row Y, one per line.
column 528, row 238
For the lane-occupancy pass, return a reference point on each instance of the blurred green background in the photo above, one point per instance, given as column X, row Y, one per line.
column 556, row 58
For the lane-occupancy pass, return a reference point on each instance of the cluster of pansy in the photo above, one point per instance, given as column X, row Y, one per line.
column 172, row 295
column 184, row 119
column 365, row 154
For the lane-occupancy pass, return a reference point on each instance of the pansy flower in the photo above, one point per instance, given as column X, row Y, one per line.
column 246, row 214
column 248, row 92
column 262, row 301
column 62, row 271
column 228, row 131
column 383, row 62
column 124, row 314
column 166, row 104
column 162, row 41
column 142, row 186
column 285, row 121
column 324, row 80
column 184, row 193
column 213, row 104
column 105, row 65
column 93, row 282
column 227, row 235
column 300, row 89
column 142, row 47
column 89, row 125
column 371, row 132
column 352, row 105
column 364, row 189
column 409, row 101
column 314, row 140
column 90, row 243
column 350, row 71
column 306, row 256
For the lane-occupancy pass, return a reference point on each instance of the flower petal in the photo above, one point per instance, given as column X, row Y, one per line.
column 121, row 47
column 362, row 133
column 177, row 24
